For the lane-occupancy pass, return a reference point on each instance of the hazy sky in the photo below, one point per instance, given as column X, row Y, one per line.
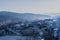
column 48, row 7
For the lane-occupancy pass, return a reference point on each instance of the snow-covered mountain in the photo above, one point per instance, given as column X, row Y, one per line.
column 12, row 16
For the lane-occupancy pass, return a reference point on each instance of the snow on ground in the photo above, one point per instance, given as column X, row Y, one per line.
column 10, row 37
column 16, row 38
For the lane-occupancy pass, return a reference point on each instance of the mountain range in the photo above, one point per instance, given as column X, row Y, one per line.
column 6, row 16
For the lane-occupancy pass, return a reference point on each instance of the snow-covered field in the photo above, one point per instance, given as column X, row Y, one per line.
column 16, row 38
column 10, row 37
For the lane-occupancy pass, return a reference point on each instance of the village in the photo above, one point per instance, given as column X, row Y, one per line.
column 48, row 29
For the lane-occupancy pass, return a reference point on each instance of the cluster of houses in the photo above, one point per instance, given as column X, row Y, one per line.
column 48, row 29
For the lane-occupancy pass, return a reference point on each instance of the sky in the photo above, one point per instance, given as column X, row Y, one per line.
column 48, row 7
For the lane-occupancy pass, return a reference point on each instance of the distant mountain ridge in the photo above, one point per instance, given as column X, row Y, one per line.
column 12, row 16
